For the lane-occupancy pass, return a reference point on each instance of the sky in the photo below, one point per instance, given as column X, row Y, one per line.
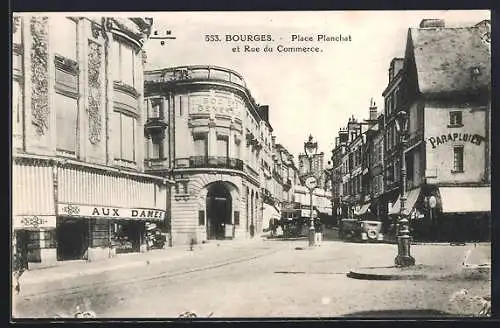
column 307, row 93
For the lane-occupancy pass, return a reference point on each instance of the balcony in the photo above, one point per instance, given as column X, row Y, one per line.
column 252, row 172
column 155, row 127
column 195, row 72
column 210, row 162
column 156, row 164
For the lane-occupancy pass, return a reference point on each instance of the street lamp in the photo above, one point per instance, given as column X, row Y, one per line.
column 403, row 259
column 310, row 149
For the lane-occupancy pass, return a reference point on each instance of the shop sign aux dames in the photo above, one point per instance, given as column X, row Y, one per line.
column 110, row 212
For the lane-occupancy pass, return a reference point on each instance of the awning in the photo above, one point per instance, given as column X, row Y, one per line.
column 269, row 212
column 465, row 199
column 363, row 209
column 411, row 199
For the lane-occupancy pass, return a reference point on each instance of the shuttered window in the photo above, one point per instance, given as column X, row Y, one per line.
column 124, row 137
column 66, row 122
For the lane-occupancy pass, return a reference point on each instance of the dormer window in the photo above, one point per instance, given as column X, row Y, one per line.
column 455, row 119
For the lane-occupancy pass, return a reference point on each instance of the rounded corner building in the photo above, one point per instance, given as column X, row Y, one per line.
column 79, row 191
column 205, row 131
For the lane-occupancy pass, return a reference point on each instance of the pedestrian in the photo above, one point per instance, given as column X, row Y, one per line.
column 318, row 232
column 19, row 266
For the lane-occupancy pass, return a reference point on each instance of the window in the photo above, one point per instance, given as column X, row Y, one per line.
column 66, row 122
column 154, row 108
column 201, row 145
column 456, row 119
column 124, row 59
column 124, row 130
column 237, row 146
column 182, row 104
column 157, row 149
column 17, row 114
column 222, row 146
column 64, row 37
column 201, row 218
column 458, row 158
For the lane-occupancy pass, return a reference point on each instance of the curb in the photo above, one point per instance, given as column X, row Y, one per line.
column 379, row 276
column 448, row 273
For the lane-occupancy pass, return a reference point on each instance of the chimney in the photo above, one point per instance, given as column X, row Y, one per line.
column 432, row 22
column 264, row 113
column 373, row 110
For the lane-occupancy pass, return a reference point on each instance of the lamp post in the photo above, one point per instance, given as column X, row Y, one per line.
column 403, row 259
column 310, row 149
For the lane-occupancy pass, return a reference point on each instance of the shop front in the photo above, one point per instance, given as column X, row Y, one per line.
column 463, row 214
column 102, row 212
column 89, row 232
column 33, row 212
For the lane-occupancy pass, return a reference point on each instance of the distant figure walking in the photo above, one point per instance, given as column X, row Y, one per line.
column 19, row 266
column 318, row 232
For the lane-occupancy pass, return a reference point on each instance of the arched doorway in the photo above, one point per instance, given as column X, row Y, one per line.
column 219, row 208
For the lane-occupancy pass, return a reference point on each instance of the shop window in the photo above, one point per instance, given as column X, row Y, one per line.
column 100, row 233
column 124, row 134
column 66, row 122
column 123, row 62
column 458, row 159
column 64, row 37
column 455, row 119
column 49, row 239
column 201, row 218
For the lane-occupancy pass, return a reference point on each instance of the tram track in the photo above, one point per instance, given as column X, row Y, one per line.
column 103, row 287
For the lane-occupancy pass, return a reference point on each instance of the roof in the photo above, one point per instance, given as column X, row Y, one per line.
column 445, row 58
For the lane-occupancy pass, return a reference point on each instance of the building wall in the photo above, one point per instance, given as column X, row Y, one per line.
column 214, row 129
column 439, row 154
column 69, row 99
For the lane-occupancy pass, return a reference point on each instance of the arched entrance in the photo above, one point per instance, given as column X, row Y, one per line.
column 219, row 208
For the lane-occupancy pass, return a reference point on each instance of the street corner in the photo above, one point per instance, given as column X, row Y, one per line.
column 416, row 272
column 467, row 273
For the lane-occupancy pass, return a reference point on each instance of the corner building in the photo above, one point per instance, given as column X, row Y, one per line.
column 205, row 130
column 79, row 191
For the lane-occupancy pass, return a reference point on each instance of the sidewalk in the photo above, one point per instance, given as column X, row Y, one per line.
column 438, row 261
column 71, row 269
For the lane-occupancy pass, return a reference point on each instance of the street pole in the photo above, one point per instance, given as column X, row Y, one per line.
column 311, row 183
column 403, row 258
column 311, row 219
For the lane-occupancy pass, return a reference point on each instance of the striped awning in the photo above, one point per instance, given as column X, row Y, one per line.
column 411, row 199
column 363, row 209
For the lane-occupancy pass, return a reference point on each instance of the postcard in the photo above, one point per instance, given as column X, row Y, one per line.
column 281, row 164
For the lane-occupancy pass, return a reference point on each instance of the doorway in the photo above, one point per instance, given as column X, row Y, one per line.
column 72, row 239
column 219, row 207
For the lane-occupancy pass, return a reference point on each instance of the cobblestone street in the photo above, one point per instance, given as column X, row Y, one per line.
column 261, row 279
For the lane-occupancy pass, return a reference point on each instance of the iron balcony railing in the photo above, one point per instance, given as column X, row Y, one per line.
column 213, row 162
